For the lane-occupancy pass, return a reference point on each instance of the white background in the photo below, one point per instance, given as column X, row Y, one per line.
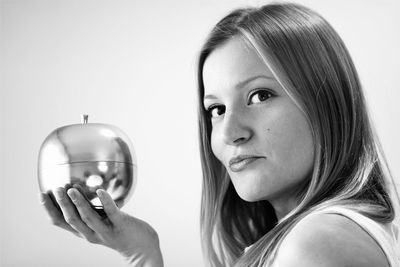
column 132, row 64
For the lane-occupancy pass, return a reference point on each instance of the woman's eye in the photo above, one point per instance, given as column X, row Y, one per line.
column 259, row 96
column 215, row 111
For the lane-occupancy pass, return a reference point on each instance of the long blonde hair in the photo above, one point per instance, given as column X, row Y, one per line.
column 312, row 64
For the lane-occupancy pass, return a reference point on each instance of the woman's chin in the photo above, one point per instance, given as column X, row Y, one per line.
column 250, row 196
column 249, row 188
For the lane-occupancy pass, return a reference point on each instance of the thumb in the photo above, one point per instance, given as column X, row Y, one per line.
column 109, row 205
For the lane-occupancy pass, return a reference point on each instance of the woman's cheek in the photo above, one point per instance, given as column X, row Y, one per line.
column 291, row 143
column 216, row 145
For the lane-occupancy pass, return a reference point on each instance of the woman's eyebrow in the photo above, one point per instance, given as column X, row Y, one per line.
column 209, row 97
column 241, row 84
column 248, row 80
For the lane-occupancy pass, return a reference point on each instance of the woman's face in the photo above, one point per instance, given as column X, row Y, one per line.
column 258, row 133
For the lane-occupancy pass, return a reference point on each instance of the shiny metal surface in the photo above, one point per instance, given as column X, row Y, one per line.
column 91, row 155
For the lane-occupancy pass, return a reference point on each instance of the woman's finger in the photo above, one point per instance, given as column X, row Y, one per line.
column 72, row 217
column 109, row 205
column 86, row 212
column 54, row 214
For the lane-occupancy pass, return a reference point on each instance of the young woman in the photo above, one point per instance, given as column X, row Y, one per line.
column 293, row 173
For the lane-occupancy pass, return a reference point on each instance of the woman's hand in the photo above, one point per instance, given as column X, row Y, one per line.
column 136, row 240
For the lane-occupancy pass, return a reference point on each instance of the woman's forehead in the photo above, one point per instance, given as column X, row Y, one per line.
column 232, row 64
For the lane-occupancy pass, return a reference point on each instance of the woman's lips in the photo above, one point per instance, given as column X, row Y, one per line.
column 239, row 164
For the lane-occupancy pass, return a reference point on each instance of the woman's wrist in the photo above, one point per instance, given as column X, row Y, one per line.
column 151, row 258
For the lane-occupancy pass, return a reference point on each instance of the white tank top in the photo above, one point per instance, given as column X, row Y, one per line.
column 387, row 236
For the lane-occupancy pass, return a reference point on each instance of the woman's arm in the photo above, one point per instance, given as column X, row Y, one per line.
column 329, row 240
column 134, row 239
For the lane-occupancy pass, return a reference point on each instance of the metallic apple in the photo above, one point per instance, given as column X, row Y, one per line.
column 91, row 156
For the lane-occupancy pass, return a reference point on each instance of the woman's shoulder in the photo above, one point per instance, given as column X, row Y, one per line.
column 328, row 239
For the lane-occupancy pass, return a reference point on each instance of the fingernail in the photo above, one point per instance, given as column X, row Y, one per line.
column 59, row 193
column 100, row 192
column 72, row 194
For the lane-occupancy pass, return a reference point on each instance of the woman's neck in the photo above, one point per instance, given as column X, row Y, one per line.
column 283, row 206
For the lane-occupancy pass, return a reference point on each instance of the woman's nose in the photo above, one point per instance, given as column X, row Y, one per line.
column 236, row 129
